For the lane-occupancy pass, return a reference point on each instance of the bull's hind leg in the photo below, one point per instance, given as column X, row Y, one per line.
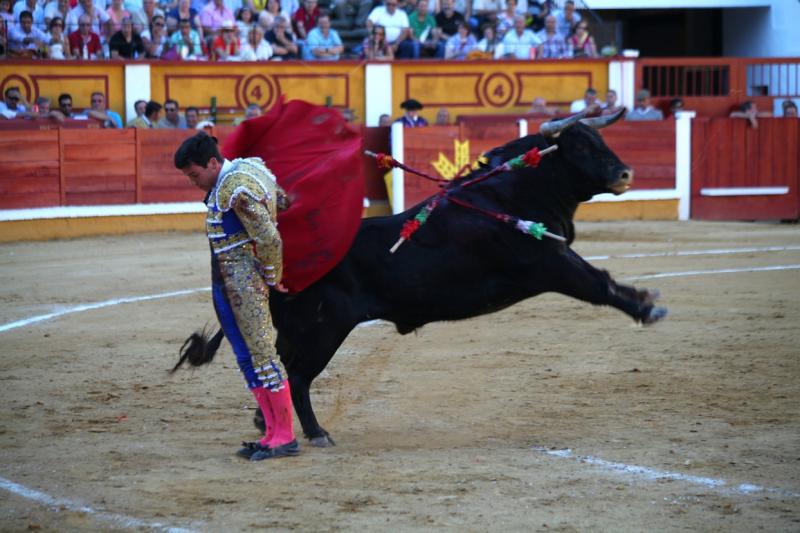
column 579, row 279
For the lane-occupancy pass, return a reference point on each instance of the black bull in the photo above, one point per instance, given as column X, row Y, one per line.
column 460, row 264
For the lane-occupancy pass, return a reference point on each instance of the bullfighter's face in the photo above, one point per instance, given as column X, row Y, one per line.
column 203, row 177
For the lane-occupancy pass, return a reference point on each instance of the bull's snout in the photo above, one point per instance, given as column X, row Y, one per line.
column 623, row 182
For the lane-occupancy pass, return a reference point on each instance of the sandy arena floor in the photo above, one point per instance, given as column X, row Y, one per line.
column 550, row 416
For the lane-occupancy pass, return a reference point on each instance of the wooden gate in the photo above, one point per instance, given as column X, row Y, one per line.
column 745, row 173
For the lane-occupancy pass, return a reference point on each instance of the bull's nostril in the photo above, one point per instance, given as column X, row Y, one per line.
column 626, row 175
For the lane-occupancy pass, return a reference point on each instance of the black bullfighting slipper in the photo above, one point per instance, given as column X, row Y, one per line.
column 249, row 448
column 285, row 450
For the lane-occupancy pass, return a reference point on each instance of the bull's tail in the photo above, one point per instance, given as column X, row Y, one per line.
column 199, row 349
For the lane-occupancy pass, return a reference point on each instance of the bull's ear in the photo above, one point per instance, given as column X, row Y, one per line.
column 603, row 121
column 555, row 127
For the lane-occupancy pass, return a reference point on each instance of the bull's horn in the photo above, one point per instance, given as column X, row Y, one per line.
column 605, row 120
column 554, row 127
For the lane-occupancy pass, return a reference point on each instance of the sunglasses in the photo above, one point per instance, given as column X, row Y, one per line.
column 170, row 109
column 159, row 24
column 14, row 98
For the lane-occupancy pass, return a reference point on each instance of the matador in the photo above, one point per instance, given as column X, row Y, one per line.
column 246, row 260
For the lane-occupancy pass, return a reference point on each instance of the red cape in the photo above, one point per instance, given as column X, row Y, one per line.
column 316, row 156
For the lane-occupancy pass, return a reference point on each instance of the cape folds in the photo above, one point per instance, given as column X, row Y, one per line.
column 316, row 156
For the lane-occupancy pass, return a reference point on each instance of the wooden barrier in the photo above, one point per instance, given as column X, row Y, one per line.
column 492, row 87
column 745, row 173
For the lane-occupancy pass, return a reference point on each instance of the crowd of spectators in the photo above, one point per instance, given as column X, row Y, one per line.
column 148, row 114
column 257, row 30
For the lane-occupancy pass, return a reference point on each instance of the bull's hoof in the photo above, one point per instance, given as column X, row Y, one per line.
column 655, row 314
column 651, row 295
column 325, row 441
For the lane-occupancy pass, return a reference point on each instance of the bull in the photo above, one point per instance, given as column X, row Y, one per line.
column 461, row 264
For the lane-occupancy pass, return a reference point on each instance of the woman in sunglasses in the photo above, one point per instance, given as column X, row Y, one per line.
column 375, row 46
column 58, row 43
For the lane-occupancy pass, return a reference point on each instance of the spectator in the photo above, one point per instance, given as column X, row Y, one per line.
column 142, row 18
column 56, row 8
column 13, row 105
column 109, row 118
column 116, row 13
column 375, row 46
column 485, row 12
column 84, row 43
column 98, row 18
column 489, row 43
column 155, row 40
column 749, row 111
column 289, row 7
column 397, row 29
column 554, row 45
column 58, row 43
column 589, row 100
column 448, row 19
column 675, row 106
column 192, row 116
column 266, row 19
column 65, row 106
column 789, row 109
column 581, row 42
column 384, row 120
column 184, row 11
column 566, row 19
column 460, row 44
column 323, row 43
column 611, row 105
column 187, row 41
column 643, row 110
column 424, row 31
column 252, row 111
column 443, row 117
column 150, row 118
column 226, row 45
column 25, row 40
column 172, row 118
column 411, row 118
column 126, row 43
column 31, row 6
column 540, row 108
column 43, row 110
column 305, row 19
column 138, row 107
column 505, row 19
column 282, row 40
column 519, row 43
column 256, row 48
column 6, row 13
column 213, row 16
column 538, row 11
column 244, row 21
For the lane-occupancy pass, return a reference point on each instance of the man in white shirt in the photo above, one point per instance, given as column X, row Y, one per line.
column 36, row 10
column 99, row 17
column 397, row 29
column 589, row 99
column 518, row 43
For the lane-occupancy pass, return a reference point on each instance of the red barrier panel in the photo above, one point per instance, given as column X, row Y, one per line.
column 745, row 173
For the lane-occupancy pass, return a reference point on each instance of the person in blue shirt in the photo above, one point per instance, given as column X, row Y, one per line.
column 110, row 119
column 323, row 42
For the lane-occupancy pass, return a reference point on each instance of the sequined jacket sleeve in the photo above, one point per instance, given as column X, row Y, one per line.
column 260, row 225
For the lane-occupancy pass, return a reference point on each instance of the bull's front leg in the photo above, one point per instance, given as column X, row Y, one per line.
column 579, row 279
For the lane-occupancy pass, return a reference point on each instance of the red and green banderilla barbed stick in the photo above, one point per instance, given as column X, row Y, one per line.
column 531, row 158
